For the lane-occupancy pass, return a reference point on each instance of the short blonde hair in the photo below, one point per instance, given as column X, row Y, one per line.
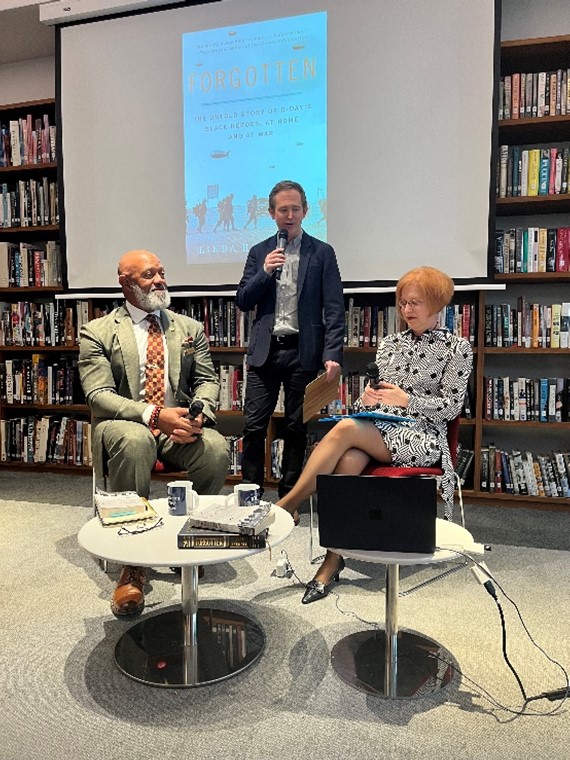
column 436, row 287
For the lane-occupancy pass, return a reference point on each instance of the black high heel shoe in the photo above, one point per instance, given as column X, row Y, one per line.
column 317, row 589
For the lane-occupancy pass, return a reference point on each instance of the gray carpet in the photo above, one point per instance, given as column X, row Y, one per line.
column 63, row 697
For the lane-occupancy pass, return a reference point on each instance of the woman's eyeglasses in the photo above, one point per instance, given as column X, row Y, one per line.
column 125, row 531
column 413, row 303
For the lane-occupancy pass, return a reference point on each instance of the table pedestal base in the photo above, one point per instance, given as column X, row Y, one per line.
column 422, row 667
column 158, row 651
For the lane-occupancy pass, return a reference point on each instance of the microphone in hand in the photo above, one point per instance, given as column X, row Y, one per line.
column 196, row 408
column 282, row 238
column 373, row 375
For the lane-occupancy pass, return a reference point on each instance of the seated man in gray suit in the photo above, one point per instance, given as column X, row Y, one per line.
column 139, row 400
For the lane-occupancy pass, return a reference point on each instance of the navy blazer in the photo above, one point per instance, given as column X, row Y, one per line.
column 320, row 303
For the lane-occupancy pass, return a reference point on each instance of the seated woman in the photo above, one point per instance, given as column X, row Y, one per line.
column 423, row 374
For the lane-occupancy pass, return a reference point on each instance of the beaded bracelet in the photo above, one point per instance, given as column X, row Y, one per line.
column 153, row 421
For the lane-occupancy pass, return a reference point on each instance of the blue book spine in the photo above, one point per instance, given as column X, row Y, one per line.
column 543, row 405
column 544, row 172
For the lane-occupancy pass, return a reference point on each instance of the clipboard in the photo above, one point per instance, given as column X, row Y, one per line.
column 319, row 393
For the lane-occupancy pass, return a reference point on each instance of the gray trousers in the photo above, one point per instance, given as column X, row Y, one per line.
column 130, row 451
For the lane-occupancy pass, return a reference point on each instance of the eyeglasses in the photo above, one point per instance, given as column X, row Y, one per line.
column 125, row 531
column 413, row 303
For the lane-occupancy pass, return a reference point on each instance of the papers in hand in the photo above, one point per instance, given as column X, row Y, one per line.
column 121, row 507
column 318, row 394
column 369, row 416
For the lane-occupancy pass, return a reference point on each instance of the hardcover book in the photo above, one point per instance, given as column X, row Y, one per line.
column 191, row 537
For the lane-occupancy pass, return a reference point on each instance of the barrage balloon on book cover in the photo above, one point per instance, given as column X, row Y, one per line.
column 255, row 104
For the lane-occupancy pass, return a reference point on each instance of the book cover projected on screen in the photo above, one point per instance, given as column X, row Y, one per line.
column 255, row 108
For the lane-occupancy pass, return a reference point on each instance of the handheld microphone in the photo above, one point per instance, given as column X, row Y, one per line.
column 373, row 374
column 195, row 409
column 282, row 238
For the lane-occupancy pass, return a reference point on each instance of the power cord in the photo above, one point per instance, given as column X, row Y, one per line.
column 488, row 581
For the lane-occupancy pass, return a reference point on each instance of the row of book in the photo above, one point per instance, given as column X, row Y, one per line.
column 29, row 203
column 365, row 326
column 532, row 249
column 540, row 399
column 224, row 324
column 27, row 140
column 532, row 172
column 52, row 323
column 232, row 385
column 525, row 473
column 30, row 265
column 527, row 325
column 527, row 95
column 40, row 380
column 52, row 439
column 235, row 447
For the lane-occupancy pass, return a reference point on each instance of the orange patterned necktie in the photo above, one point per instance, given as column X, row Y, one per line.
column 154, row 371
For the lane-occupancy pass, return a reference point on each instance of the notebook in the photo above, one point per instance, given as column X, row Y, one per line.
column 377, row 514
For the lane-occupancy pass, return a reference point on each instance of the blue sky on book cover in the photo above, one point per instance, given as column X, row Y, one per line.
column 255, row 111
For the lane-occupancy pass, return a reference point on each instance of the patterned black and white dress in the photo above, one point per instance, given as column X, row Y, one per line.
column 433, row 369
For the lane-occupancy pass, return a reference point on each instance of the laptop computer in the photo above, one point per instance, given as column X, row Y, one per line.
column 377, row 514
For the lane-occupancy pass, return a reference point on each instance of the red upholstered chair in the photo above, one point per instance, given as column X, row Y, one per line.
column 390, row 471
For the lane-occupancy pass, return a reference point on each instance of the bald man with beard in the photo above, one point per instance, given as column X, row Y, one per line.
column 128, row 433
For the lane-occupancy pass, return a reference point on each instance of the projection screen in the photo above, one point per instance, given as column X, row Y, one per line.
column 175, row 124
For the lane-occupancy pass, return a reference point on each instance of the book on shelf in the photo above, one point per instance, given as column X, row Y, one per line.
column 543, row 171
column 491, row 450
column 565, row 324
column 192, row 537
column 533, row 171
column 122, row 506
column 562, row 256
column 563, row 474
column 503, row 474
column 518, row 472
column 529, row 474
column 507, row 92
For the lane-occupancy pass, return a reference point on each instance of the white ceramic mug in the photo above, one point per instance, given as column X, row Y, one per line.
column 180, row 497
column 245, row 495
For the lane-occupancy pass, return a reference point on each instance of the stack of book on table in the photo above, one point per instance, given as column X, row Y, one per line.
column 223, row 526
column 121, row 507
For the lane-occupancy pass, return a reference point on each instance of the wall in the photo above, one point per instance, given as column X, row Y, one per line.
column 524, row 19
column 27, row 80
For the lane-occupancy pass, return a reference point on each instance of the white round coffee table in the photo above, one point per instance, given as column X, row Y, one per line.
column 396, row 663
column 189, row 646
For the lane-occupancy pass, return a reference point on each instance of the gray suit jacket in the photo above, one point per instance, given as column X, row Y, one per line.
column 109, row 369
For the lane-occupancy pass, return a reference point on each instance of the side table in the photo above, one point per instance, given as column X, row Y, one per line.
column 190, row 646
column 396, row 663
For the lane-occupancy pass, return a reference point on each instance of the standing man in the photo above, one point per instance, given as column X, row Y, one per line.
column 141, row 366
column 298, row 330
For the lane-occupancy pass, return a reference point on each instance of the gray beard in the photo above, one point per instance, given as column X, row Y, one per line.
column 156, row 299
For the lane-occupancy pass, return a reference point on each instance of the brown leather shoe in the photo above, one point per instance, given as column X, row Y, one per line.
column 128, row 597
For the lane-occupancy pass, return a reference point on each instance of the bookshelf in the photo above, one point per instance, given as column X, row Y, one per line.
column 531, row 260
column 477, row 432
column 44, row 420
